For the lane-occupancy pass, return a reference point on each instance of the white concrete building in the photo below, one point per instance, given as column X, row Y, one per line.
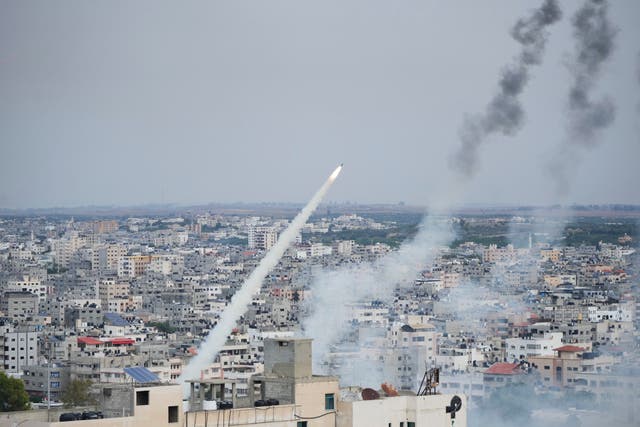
column 19, row 349
column 523, row 348
column 33, row 285
column 64, row 249
column 406, row 411
column 105, row 257
column 261, row 237
column 617, row 313
column 318, row 249
column 344, row 247
column 368, row 314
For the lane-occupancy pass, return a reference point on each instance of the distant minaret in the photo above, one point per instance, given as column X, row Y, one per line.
column 530, row 241
column 33, row 237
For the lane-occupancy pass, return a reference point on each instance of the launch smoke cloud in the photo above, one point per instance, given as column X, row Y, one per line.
column 333, row 291
column 594, row 43
column 595, row 38
column 242, row 298
column 504, row 113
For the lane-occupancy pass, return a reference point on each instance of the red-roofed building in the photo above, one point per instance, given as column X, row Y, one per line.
column 504, row 369
column 90, row 345
column 501, row 374
column 122, row 341
column 569, row 349
column 85, row 341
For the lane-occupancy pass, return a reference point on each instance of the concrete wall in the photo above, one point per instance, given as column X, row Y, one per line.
column 271, row 416
column 160, row 399
column 287, row 357
column 424, row 411
column 310, row 399
column 38, row 415
column 279, row 388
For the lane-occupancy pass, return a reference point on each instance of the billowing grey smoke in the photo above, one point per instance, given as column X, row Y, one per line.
column 595, row 37
column 334, row 290
column 638, row 74
column 504, row 114
column 595, row 41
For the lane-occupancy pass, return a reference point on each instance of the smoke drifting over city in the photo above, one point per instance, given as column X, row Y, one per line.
column 335, row 291
column 463, row 284
column 594, row 38
column 505, row 113
column 638, row 76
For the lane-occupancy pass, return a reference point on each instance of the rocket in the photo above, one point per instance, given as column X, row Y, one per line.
column 336, row 172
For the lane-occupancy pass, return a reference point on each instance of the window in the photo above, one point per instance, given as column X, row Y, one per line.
column 172, row 414
column 329, row 404
column 142, row 398
column 411, row 424
column 301, row 424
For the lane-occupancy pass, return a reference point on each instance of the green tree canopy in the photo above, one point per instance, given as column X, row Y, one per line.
column 78, row 393
column 13, row 397
column 164, row 327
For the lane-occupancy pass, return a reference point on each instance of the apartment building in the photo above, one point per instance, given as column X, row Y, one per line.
column 563, row 368
column 261, row 237
column 530, row 346
column 18, row 348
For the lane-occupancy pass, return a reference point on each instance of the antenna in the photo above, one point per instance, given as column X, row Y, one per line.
column 429, row 382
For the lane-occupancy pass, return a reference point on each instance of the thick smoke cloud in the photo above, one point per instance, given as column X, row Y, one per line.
column 595, row 37
column 333, row 290
column 505, row 114
column 638, row 75
column 595, row 41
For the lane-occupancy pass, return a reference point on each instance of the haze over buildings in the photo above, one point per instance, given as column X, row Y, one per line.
column 346, row 314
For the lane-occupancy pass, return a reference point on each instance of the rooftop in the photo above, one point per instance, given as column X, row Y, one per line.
column 504, row 369
column 569, row 348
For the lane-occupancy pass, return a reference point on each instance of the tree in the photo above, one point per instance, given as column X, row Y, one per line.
column 78, row 393
column 13, row 397
column 164, row 327
column 296, row 296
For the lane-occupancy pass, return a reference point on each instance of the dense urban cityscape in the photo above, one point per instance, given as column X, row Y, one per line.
column 472, row 260
column 86, row 298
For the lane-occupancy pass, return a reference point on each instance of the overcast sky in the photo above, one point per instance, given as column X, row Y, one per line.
column 126, row 103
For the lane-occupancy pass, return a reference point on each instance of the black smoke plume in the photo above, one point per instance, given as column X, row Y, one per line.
column 594, row 42
column 595, row 37
column 504, row 114
column 638, row 74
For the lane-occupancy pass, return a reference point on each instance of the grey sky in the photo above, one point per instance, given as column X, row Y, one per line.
column 191, row 102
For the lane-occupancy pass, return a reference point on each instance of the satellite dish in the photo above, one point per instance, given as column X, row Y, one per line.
column 370, row 394
column 454, row 406
column 456, row 403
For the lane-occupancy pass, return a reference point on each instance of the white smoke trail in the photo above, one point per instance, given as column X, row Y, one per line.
column 332, row 291
column 242, row 298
